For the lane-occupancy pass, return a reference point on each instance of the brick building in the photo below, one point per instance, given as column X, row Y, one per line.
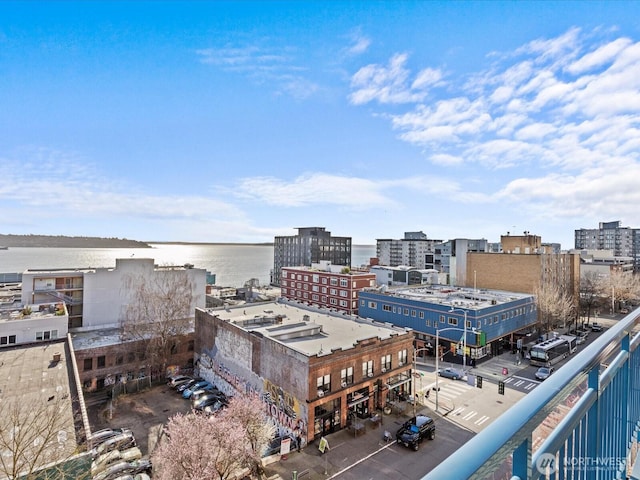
column 315, row 371
column 325, row 285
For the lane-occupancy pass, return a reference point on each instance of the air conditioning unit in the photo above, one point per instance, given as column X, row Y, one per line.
column 384, row 370
column 344, row 384
column 370, row 374
column 321, row 393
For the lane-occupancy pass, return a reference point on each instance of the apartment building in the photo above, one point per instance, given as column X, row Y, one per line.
column 622, row 241
column 326, row 285
column 414, row 250
column 316, row 371
column 310, row 245
column 450, row 258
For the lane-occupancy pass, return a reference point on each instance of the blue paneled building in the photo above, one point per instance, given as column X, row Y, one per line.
column 495, row 319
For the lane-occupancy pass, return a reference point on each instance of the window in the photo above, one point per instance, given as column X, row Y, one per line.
column 88, row 364
column 316, row 278
column 373, row 305
column 119, row 359
column 334, row 282
column 344, row 282
column 453, row 321
column 344, row 293
column 47, row 335
column 441, row 318
column 469, row 324
column 421, row 315
column 333, row 291
column 367, row 369
column 386, row 308
column 402, row 357
column 406, row 312
column 324, row 383
column 8, row 340
column 413, row 313
column 427, row 323
column 346, row 376
column 385, row 362
column 102, row 361
column 344, row 303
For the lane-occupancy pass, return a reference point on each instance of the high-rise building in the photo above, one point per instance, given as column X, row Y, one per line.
column 450, row 257
column 311, row 245
column 414, row 250
column 622, row 241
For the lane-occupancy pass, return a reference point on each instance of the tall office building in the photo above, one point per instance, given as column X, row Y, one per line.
column 622, row 241
column 311, row 245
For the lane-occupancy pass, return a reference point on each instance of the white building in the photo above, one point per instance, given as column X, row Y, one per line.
column 32, row 324
column 97, row 297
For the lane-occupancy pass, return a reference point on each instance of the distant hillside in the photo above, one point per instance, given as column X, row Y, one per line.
column 60, row 241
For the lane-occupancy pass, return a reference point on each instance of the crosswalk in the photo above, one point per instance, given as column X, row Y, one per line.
column 521, row 383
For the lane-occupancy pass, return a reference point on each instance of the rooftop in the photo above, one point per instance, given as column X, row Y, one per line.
column 35, row 391
column 305, row 329
column 32, row 312
column 455, row 297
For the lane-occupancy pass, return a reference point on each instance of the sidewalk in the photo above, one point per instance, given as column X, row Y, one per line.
column 345, row 450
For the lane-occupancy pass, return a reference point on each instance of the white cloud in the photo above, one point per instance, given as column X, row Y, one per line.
column 599, row 57
column 390, row 84
column 359, row 44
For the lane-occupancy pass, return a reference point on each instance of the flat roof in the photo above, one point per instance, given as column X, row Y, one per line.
column 306, row 329
column 34, row 386
column 456, row 297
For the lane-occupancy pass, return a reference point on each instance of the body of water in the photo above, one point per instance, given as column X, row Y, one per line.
column 232, row 264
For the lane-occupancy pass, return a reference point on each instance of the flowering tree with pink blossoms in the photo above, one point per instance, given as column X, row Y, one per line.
column 200, row 447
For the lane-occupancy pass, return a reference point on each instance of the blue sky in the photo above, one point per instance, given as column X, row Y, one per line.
column 240, row 121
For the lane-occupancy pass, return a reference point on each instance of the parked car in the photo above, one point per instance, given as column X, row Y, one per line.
column 213, row 408
column 119, row 442
column 176, row 380
column 596, row 327
column 543, row 373
column 187, row 392
column 100, row 436
column 624, row 311
column 124, row 468
column 208, row 399
column 115, row 456
column 415, row 430
column 203, row 391
column 181, row 388
column 452, row 373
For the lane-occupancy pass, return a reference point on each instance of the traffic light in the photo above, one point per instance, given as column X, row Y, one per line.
column 478, row 381
column 501, row 387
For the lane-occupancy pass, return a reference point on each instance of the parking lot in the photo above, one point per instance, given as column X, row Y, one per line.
column 144, row 413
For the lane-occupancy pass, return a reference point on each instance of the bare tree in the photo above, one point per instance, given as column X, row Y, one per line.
column 622, row 287
column 555, row 306
column 34, row 433
column 158, row 314
column 591, row 287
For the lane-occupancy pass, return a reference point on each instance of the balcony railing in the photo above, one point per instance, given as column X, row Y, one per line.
column 595, row 437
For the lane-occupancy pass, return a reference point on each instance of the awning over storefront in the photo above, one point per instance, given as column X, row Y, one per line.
column 398, row 383
column 356, row 401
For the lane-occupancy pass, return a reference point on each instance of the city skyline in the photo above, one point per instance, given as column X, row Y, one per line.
column 242, row 121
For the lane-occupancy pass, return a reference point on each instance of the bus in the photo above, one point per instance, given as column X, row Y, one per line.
column 552, row 351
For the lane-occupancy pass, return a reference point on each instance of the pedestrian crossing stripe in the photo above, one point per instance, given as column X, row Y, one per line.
column 531, row 386
column 481, row 420
column 508, row 380
column 518, row 383
column 469, row 415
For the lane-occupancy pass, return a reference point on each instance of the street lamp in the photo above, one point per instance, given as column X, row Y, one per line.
column 415, row 372
column 464, row 341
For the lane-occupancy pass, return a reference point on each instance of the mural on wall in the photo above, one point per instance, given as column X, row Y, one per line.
column 282, row 407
